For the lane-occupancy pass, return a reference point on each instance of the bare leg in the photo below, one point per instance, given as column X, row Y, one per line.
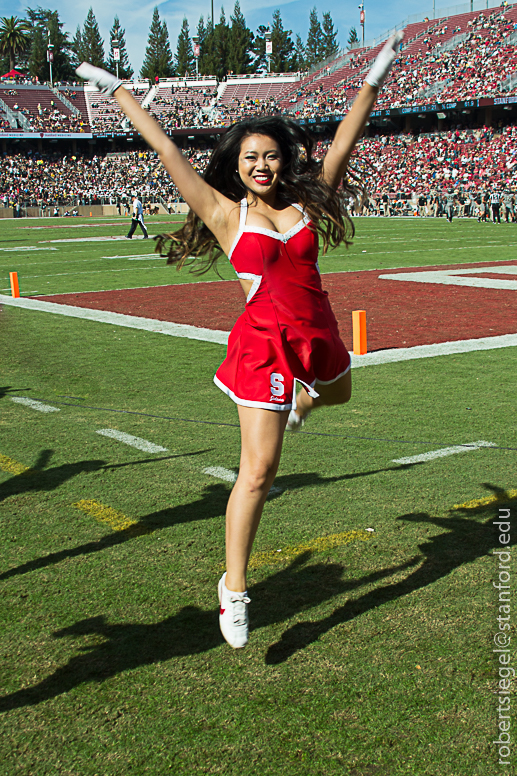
column 262, row 433
column 338, row 392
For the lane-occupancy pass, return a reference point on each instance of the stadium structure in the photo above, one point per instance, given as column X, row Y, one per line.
column 449, row 109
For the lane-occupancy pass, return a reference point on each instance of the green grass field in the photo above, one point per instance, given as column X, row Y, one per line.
column 370, row 651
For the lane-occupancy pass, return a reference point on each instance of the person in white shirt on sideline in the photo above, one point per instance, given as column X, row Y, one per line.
column 137, row 218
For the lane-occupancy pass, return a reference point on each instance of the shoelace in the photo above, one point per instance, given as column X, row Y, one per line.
column 239, row 609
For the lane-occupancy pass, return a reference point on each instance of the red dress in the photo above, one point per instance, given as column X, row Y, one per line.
column 288, row 331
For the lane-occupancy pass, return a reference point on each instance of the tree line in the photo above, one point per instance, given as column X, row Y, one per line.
column 225, row 47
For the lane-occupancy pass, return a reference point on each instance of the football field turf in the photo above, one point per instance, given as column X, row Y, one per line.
column 373, row 610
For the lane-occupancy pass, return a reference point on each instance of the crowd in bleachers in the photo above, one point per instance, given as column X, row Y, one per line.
column 182, row 106
column 43, row 111
column 476, row 67
column 105, row 111
column 459, row 159
column 45, row 179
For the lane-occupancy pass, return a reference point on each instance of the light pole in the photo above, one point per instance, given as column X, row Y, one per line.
column 361, row 18
column 195, row 41
column 50, row 55
column 116, row 52
column 269, row 48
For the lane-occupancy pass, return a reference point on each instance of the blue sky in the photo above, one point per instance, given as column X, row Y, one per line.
column 135, row 15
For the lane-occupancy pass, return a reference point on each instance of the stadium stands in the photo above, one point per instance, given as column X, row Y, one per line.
column 455, row 58
column 466, row 57
column 463, row 159
column 41, row 109
column 103, row 110
column 177, row 104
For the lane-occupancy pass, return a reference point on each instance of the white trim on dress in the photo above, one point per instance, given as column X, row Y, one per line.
column 248, row 403
column 283, row 237
column 242, row 222
column 329, row 382
column 257, row 280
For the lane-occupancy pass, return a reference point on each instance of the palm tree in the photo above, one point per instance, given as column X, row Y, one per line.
column 14, row 37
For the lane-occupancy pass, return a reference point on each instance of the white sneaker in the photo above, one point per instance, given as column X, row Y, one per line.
column 295, row 422
column 233, row 615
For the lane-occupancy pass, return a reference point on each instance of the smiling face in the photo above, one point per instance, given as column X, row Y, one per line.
column 260, row 164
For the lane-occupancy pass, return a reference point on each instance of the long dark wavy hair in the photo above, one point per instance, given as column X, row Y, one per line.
column 300, row 181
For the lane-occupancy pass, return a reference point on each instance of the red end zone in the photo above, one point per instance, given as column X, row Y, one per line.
column 399, row 313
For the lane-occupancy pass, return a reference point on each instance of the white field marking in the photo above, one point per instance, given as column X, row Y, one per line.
column 454, row 277
column 91, row 272
column 137, row 256
column 53, row 262
column 230, row 476
column 35, row 405
column 27, row 248
column 221, row 473
column 91, row 239
column 118, row 319
column 433, row 250
column 439, row 349
column 133, row 441
column 70, row 226
column 427, row 239
column 466, row 448
column 133, row 288
column 122, row 220
column 386, row 269
column 221, row 337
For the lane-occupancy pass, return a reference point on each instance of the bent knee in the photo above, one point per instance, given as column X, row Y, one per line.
column 257, row 478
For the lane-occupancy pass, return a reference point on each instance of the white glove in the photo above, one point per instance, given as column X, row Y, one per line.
column 382, row 65
column 105, row 82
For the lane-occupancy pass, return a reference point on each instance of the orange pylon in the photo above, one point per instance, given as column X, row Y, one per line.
column 359, row 332
column 15, row 289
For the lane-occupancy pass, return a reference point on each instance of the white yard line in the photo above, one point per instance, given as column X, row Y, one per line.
column 136, row 256
column 132, row 441
column 433, row 250
column 88, row 272
column 117, row 319
column 445, row 451
column 220, row 473
column 27, row 248
column 221, row 337
column 35, row 405
column 91, row 239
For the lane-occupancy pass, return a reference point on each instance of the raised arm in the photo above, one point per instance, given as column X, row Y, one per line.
column 351, row 128
column 210, row 205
